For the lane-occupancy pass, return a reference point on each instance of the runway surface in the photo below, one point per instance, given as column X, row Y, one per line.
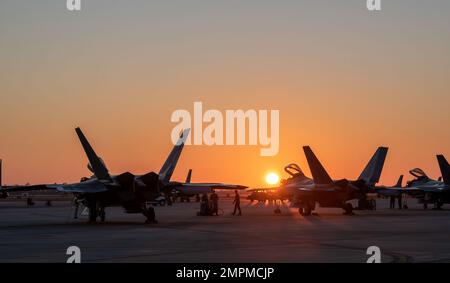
column 43, row 234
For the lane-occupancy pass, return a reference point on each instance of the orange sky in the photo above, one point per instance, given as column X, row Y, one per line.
column 345, row 81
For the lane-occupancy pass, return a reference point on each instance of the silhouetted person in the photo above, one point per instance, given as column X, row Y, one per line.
column 197, row 198
column 215, row 204
column 204, row 205
column 237, row 203
column 392, row 202
column 399, row 201
column 30, row 202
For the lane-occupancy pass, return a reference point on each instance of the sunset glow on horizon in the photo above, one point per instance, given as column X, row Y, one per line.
column 272, row 178
column 344, row 82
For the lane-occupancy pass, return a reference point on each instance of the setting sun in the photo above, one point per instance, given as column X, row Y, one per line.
column 272, row 178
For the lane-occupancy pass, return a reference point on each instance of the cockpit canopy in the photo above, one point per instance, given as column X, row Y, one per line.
column 294, row 170
column 418, row 173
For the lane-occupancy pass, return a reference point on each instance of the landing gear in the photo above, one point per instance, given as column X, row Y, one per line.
column 427, row 199
column 348, row 209
column 150, row 214
column 30, row 202
column 438, row 205
column 77, row 206
column 278, row 205
column 93, row 213
column 95, row 210
column 306, row 210
column 102, row 214
column 306, row 207
column 373, row 204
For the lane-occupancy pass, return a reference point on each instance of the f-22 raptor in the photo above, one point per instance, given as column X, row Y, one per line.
column 189, row 189
column 132, row 192
column 425, row 189
column 305, row 192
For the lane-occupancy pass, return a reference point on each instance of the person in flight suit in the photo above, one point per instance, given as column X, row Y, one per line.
column 237, row 203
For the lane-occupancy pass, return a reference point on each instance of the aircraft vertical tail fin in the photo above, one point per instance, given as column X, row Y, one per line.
column 171, row 162
column 372, row 172
column 399, row 182
column 188, row 178
column 97, row 166
column 445, row 168
column 318, row 172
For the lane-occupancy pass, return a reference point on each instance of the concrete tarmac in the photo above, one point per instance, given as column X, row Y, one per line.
column 43, row 234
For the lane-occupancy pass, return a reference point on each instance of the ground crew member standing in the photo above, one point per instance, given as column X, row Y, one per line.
column 400, row 201
column 392, row 202
column 215, row 204
column 204, row 205
column 237, row 203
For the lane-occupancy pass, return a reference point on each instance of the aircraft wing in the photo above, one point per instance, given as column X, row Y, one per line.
column 219, row 186
column 304, row 189
column 263, row 189
column 395, row 191
column 299, row 192
column 84, row 187
column 202, row 188
column 12, row 189
column 434, row 189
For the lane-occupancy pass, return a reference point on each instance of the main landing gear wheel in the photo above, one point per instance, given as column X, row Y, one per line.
column 77, row 207
column 102, row 215
column 438, row 205
column 373, row 204
column 92, row 215
column 305, row 211
column 348, row 208
column 150, row 214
